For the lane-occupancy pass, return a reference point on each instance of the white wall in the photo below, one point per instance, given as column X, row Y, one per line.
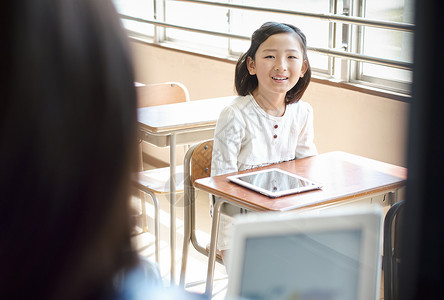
column 345, row 120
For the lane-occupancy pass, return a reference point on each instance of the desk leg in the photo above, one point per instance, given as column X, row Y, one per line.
column 213, row 245
column 173, row 206
column 141, row 195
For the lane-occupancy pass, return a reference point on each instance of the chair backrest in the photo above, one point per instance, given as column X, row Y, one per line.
column 392, row 250
column 161, row 93
column 201, row 160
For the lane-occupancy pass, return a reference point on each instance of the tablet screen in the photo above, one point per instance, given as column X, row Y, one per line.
column 274, row 182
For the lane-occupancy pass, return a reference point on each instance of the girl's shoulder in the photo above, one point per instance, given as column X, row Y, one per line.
column 239, row 105
column 241, row 101
column 301, row 107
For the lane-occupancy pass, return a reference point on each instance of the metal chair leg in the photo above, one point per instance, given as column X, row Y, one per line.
column 390, row 263
column 156, row 221
column 213, row 245
column 188, row 201
column 186, row 240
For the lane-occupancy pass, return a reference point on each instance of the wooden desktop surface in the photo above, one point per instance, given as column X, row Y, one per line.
column 192, row 115
column 343, row 176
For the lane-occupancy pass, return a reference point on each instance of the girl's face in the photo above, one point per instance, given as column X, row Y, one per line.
column 278, row 64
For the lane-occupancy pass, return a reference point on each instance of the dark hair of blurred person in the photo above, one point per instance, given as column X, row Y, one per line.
column 67, row 147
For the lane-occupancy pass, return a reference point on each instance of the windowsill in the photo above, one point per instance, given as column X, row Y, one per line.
column 315, row 78
column 363, row 89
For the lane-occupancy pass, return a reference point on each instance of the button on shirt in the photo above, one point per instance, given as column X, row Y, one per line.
column 247, row 137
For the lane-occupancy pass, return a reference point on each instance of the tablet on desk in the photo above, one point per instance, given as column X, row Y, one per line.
column 275, row 182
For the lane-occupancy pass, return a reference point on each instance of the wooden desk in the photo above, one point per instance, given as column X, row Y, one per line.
column 346, row 178
column 179, row 124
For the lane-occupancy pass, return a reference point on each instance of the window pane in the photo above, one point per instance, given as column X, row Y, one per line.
column 139, row 28
column 136, row 8
column 393, row 10
column 245, row 22
column 318, row 62
column 388, row 44
column 393, row 79
column 140, row 9
column 313, row 6
column 201, row 43
column 370, row 41
column 197, row 16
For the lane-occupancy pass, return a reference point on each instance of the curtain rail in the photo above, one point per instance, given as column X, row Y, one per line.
column 328, row 17
column 329, row 52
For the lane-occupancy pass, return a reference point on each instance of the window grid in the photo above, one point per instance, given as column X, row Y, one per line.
column 345, row 45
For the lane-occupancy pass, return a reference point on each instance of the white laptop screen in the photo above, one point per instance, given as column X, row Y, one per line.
column 333, row 255
column 323, row 265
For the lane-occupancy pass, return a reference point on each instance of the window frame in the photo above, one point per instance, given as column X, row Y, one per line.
column 348, row 59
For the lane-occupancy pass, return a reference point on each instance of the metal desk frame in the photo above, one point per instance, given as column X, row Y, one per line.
column 396, row 177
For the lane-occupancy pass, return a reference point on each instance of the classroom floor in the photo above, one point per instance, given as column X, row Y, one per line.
column 197, row 263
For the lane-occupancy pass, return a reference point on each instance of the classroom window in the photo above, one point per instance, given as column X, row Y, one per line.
column 376, row 53
column 388, row 44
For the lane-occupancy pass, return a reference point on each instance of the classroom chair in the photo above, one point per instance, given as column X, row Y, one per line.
column 197, row 164
column 156, row 181
column 392, row 250
column 161, row 93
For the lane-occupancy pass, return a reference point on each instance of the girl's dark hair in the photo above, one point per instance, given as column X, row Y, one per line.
column 67, row 149
column 245, row 83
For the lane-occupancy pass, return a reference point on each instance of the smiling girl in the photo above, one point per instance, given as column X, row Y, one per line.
column 268, row 123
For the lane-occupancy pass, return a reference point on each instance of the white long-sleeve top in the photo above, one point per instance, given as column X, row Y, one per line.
column 247, row 137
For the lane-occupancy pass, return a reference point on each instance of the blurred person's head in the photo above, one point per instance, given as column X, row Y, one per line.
column 67, row 147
